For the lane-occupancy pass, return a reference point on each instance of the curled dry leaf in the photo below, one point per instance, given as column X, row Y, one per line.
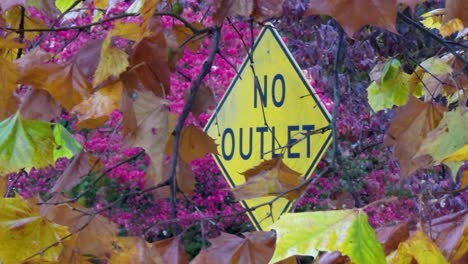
column 349, row 13
column 170, row 250
column 228, row 8
column 451, row 236
column 409, row 129
column 271, row 177
column 194, row 144
column 390, row 237
column 331, row 258
column 266, row 9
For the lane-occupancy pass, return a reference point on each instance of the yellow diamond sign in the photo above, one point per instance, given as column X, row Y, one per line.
column 268, row 111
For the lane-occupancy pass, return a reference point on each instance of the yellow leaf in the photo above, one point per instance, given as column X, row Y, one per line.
column 113, row 61
column 420, row 248
column 146, row 9
column 129, row 31
column 95, row 110
column 433, row 19
column 451, row 27
column 460, row 155
column 23, row 232
column 13, row 18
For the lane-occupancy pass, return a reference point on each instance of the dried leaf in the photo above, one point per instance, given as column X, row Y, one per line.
column 450, row 27
column 113, row 61
column 409, row 129
column 171, row 250
column 264, row 10
column 23, row 232
column 149, row 69
column 420, row 248
column 64, row 82
column 271, row 177
column 456, row 9
column 79, row 167
column 151, row 114
column 134, row 250
column 390, row 237
column 184, row 34
column 13, row 19
column 184, row 178
column 450, row 233
column 204, row 99
column 146, row 9
column 95, row 110
column 255, row 247
column 88, row 57
column 40, row 105
column 194, row 144
column 349, row 13
column 229, row 8
column 131, row 31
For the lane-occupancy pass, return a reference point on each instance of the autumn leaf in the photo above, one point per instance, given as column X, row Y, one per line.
column 229, row 8
column 450, row 233
column 134, row 250
column 25, row 144
column 393, row 88
column 349, row 13
column 113, row 61
column 95, row 110
column 149, row 69
column 39, row 105
column 264, row 10
column 432, row 76
column 129, row 31
column 203, row 100
column 171, row 250
column 145, row 8
column 185, row 179
column 456, row 9
column 13, row 18
column 347, row 231
column 66, row 144
column 410, row 3
column 194, row 144
column 183, row 35
column 3, row 186
column 23, row 232
column 442, row 145
column 255, row 247
column 64, row 82
column 151, row 114
column 418, row 247
column 408, row 130
column 87, row 58
column 271, row 177
column 391, row 236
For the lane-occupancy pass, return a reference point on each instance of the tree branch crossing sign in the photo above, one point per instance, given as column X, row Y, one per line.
column 267, row 108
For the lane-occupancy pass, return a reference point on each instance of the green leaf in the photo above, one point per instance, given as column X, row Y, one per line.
column 25, row 144
column 347, row 231
column 393, row 88
column 67, row 146
column 63, row 5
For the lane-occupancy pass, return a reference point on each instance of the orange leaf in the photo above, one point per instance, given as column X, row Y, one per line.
column 409, row 128
column 171, row 250
column 183, row 34
column 184, row 179
column 456, row 9
column 194, row 144
column 349, row 13
column 271, row 177
column 203, row 100
column 95, row 110
column 64, row 82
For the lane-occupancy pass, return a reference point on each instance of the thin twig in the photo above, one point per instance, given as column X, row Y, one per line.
column 336, row 95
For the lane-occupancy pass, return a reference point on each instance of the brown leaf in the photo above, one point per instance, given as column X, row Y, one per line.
column 264, row 10
column 451, row 236
column 9, row 105
column 134, row 250
column 271, row 177
column 95, row 110
column 184, row 178
column 194, row 144
column 64, row 82
column 78, row 168
column 464, row 179
column 331, row 258
column 349, row 13
column 3, row 185
column 87, row 58
column 149, row 68
column 409, row 128
column 13, row 19
column 456, row 9
column 228, row 8
column 183, row 35
column 40, row 105
column 151, row 113
column 203, row 100
column 171, row 250
column 390, row 237
column 255, row 247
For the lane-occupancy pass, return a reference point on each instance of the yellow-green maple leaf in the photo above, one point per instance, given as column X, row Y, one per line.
column 393, row 88
column 347, row 231
column 23, row 232
column 30, row 143
column 420, row 248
